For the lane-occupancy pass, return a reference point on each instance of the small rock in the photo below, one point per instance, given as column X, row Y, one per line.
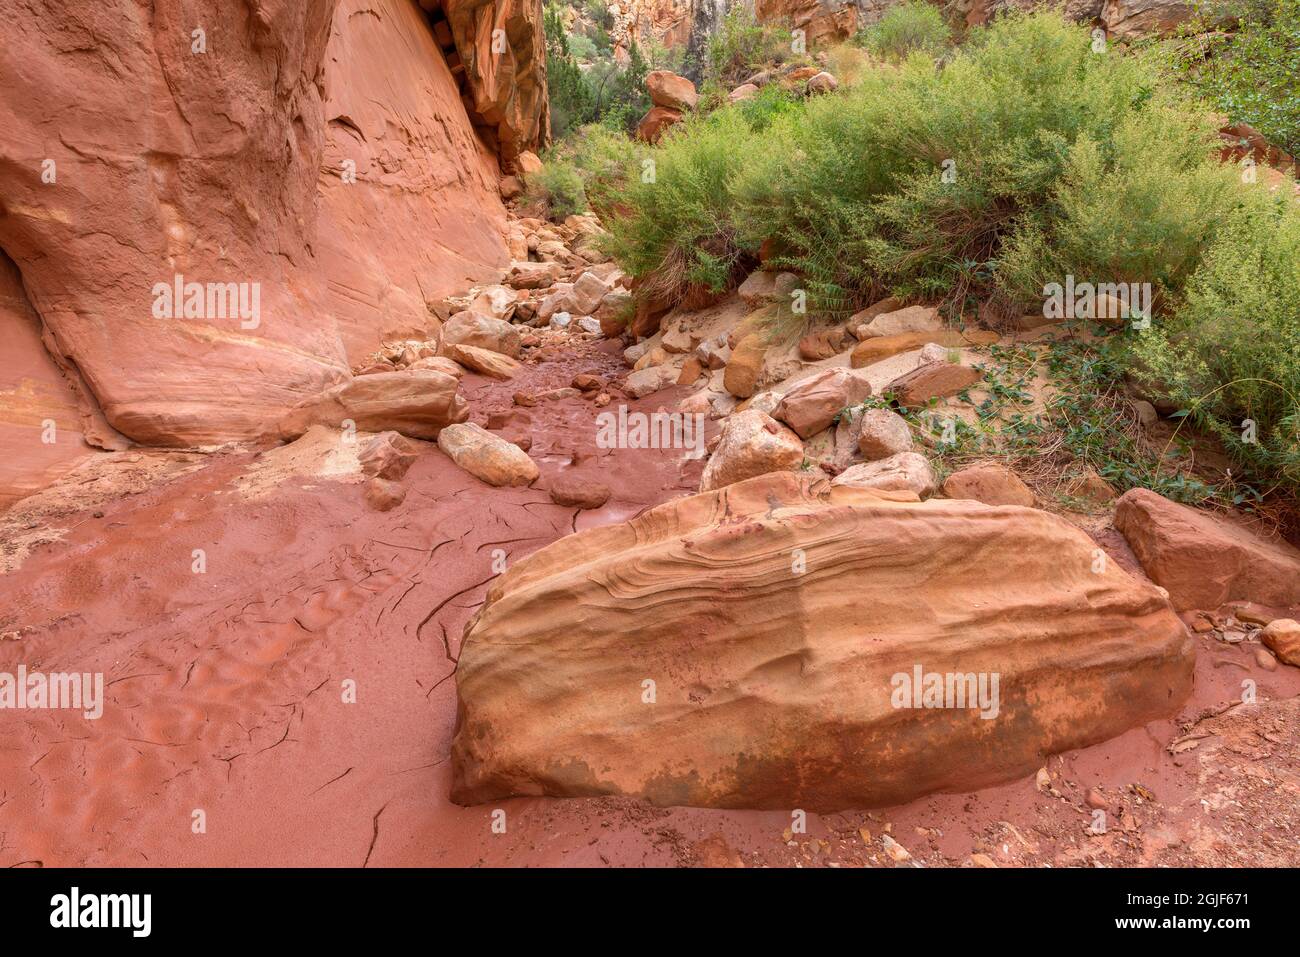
column 486, row 456
column 383, row 495
column 1282, row 637
column 812, row 404
column 574, row 491
column 493, row 364
column 751, row 443
column 989, row 483
column 883, row 433
column 895, row 850
column 387, row 456
column 935, row 380
column 648, row 380
column 904, row 472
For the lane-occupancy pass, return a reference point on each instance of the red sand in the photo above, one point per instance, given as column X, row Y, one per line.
column 225, row 695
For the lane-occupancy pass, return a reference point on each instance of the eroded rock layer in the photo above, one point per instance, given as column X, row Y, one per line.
column 253, row 196
column 740, row 648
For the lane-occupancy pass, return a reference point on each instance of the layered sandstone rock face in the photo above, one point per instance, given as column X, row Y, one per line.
column 501, row 46
column 743, row 648
column 305, row 174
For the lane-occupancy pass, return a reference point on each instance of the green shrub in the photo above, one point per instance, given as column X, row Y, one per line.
column 571, row 99
column 605, row 160
column 557, row 188
column 914, row 26
column 742, row 46
column 678, row 231
column 1252, row 72
column 582, row 48
column 1231, row 351
column 1059, row 160
column 1063, row 160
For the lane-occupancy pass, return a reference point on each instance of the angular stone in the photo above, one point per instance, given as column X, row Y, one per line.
column 904, row 472
column 653, row 124
column 671, row 91
column 574, row 491
column 438, row 364
column 482, row 332
column 415, row 403
column 935, row 380
column 910, row 319
column 1282, row 635
column 812, row 404
column 752, row 443
column 870, row 351
column 744, row 365
column 387, row 456
column 1205, row 562
column 483, row 361
column 882, row 433
column 989, row 483
column 650, row 379
column 384, row 495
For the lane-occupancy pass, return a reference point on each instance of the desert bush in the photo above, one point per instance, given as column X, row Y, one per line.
column 742, row 46
column 1228, row 354
column 1028, row 157
column 588, row 169
column 571, row 99
column 914, row 26
column 678, row 229
column 1250, row 71
column 557, row 189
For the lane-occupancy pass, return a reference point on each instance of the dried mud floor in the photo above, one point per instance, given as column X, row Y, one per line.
column 224, row 695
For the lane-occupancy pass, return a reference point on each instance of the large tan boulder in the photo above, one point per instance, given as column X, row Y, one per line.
column 418, row 403
column 1282, row 635
column 882, row 433
column 482, row 332
column 901, row 321
column 487, row 457
column 650, row 379
column 1204, row 562
column 812, row 404
column 755, row 647
column 752, row 443
column 989, row 483
column 671, row 91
